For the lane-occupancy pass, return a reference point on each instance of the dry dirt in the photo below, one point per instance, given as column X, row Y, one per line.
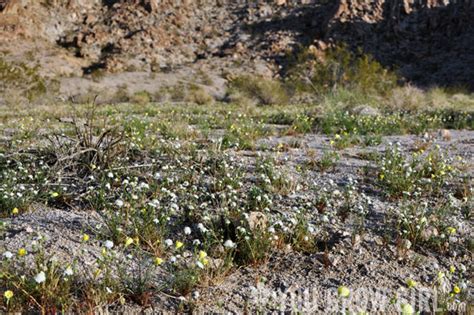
column 290, row 280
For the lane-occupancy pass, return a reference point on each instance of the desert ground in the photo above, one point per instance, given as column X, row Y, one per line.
column 310, row 157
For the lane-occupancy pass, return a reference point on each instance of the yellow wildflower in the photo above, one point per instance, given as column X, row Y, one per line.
column 202, row 254
column 456, row 290
column 343, row 291
column 179, row 244
column 451, row 230
column 21, row 252
column 8, row 294
column 411, row 283
column 440, row 275
column 407, row 309
column 15, row 211
column 128, row 241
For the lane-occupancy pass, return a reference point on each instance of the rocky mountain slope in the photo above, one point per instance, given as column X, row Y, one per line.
column 431, row 42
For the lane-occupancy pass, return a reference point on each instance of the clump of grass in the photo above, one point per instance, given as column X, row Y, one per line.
column 413, row 99
column 243, row 133
column 253, row 245
column 23, row 180
column 185, row 280
column 399, row 175
column 428, row 224
column 302, row 235
column 302, row 124
column 121, row 94
column 407, row 98
column 47, row 286
column 344, row 140
column 328, row 160
column 175, row 93
column 91, row 145
column 136, row 277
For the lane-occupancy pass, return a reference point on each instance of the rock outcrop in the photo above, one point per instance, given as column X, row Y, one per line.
column 431, row 42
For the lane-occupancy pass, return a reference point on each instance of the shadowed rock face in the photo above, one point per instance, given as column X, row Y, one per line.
column 430, row 42
column 4, row 4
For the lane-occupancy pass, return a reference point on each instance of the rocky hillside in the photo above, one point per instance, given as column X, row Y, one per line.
column 431, row 42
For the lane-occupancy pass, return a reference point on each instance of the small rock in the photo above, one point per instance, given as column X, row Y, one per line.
column 356, row 240
column 257, row 220
column 429, row 232
column 378, row 240
column 406, row 244
column 365, row 110
column 445, row 134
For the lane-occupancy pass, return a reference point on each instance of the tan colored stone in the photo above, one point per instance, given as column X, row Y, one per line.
column 257, row 220
column 445, row 134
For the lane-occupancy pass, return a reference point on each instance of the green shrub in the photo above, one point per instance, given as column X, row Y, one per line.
column 21, row 77
column 264, row 91
column 198, row 95
column 141, row 97
column 340, row 68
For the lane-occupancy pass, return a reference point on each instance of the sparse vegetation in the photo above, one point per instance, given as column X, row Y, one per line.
column 263, row 90
column 141, row 97
column 341, row 68
column 198, row 95
column 239, row 157
column 175, row 215
column 24, row 80
column 184, row 196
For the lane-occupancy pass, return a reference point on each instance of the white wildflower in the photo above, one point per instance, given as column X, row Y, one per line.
column 109, row 244
column 202, row 228
column 40, row 277
column 7, row 254
column 68, row 271
column 200, row 264
column 229, row 244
